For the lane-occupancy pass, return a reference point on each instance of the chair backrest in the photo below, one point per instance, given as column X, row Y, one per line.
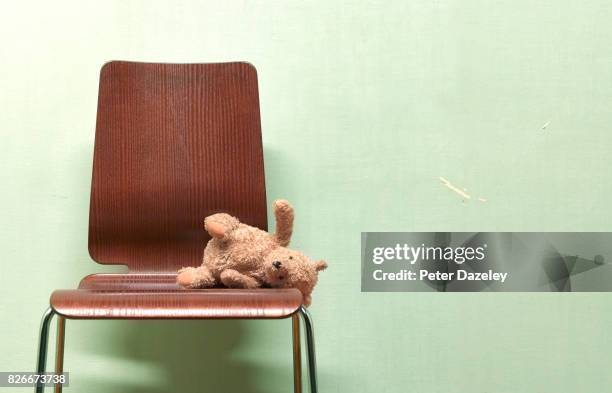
column 174, row 144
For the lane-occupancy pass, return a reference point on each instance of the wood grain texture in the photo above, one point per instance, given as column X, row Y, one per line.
column 215, row 303
column 130, row 282
column 174, row 144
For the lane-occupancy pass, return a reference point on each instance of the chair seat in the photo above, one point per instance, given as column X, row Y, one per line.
column 156, row 296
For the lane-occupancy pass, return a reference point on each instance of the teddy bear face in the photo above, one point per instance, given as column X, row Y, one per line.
column 285, row 268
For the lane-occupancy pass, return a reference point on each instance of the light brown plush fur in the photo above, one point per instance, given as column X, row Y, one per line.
column 242, row 256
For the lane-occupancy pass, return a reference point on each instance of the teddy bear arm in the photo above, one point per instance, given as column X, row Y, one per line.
column 195, row 277
column 233, row 279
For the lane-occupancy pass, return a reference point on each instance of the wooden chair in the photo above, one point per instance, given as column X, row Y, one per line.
column 174, row 144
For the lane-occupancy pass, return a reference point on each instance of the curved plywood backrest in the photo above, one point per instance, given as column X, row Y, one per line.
column 174, row 143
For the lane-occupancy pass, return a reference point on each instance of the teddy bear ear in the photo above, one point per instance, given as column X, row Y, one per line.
column 320, row 265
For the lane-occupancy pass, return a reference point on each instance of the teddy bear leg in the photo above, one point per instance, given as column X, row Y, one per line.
column 234, row 279
column 283, row 212
column 195, row 277
column 219, row 225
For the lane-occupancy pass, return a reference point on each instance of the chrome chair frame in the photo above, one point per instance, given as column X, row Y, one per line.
column 296, row 337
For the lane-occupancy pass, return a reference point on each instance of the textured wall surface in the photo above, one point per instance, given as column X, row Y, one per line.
column 364, row 106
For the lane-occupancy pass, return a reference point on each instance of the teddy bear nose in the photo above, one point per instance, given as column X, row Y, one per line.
column 277, row 264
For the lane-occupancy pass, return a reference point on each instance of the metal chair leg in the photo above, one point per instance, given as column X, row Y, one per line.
column 297, row 354
column 43, row 342
column 312, row 366
column 59, row 350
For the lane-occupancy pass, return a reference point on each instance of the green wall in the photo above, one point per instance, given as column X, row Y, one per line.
column 363, row 106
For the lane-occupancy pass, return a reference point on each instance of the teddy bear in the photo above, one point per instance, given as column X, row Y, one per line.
column 242, row 256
